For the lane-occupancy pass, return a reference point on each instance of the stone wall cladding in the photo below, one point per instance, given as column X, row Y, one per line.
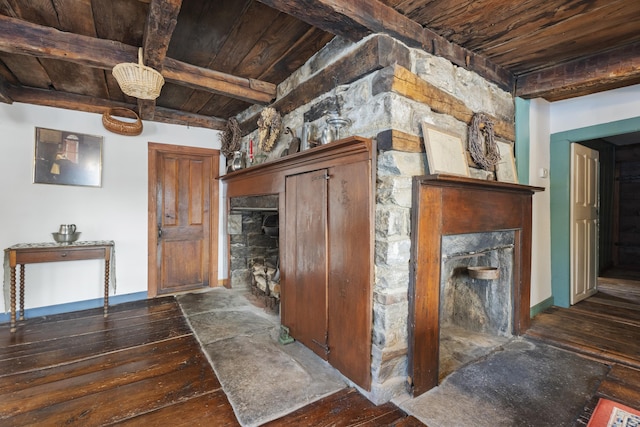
column 371, row 114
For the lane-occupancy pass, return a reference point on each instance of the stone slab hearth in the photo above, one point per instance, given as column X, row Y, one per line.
column 262, row 379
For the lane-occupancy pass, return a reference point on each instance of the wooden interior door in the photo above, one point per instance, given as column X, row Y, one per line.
column 584, row 221
column 183, row 216
column 304, row 288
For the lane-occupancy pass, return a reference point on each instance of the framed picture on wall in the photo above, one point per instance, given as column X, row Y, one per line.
column 506, row 167
column 445, row 151
column 67, row 158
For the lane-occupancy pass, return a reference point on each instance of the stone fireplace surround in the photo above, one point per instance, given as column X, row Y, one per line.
column 402, row 88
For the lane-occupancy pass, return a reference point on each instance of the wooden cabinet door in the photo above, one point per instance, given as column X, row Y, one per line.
column 304, row 288
column 350, row 274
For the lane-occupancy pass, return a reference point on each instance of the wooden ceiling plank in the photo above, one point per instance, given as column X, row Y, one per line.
column 69, row 77
column 98, row 105
column 121, row 21
column 616, row 68
column 75, row 16
column 27, row 70
column 29, row 39
column 297, row 54
column 205, row 47
column 354, row 19
column 245, row 35
column 272, row 45
column 548, row 45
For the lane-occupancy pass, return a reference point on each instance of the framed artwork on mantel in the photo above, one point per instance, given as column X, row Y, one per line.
column 506, row 167
column 67, row 158
column 445, row 151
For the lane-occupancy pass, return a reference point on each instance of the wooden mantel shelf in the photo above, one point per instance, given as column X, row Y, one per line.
column 454, row 180
column 269, row 178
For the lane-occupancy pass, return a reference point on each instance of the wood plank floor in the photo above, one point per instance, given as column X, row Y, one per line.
column 143, row 366
column 140, row 366
column 605, row 327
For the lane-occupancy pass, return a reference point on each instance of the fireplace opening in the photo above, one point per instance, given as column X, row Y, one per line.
column 476, row 310
column 253, row 227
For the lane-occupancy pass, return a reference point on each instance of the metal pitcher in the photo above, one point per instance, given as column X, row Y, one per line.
column 67, row 229
column 238, row 161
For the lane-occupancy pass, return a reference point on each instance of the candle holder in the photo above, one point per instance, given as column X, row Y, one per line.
column 337, row 123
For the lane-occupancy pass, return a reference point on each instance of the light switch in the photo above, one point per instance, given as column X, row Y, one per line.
column 543, row 173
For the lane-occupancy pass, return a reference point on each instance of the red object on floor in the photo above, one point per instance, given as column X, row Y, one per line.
column 602, row 415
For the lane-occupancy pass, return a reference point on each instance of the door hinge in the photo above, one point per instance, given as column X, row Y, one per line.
column 325, row 176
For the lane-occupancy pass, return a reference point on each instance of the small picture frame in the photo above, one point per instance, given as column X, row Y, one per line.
column 445, row 151
column 67, row 158
column 506, row 167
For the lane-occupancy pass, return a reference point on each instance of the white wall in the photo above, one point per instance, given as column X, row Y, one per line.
column 539, row 160
column 116, row 211
column 599, row 108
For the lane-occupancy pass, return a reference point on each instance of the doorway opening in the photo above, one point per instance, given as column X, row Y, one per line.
column 607, row 136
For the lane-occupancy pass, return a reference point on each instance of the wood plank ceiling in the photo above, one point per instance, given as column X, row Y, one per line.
column 220, row 57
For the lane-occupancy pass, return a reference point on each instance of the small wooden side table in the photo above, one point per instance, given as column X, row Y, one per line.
column 31, row 253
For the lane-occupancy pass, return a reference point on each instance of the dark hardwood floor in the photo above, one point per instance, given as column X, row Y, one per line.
column 140, row 366
column 143, row 366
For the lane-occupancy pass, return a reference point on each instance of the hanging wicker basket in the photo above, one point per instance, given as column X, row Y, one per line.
column 138, row 80
column 122, row 127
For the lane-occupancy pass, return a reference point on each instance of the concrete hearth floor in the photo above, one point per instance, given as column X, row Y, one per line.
column 262, row 378
column 518, row 383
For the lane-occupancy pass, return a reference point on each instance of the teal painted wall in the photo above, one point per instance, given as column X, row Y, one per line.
column 560, row 166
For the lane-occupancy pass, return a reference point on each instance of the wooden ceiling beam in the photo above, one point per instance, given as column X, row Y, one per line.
column 69, row 101
column 161, row 21
column 355, row 19
column 250, row 90
column 605, row 71
column 23, row 38
column 4, row 94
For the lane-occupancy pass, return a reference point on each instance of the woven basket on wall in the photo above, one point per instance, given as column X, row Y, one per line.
column 138, row 80
column 119, row 126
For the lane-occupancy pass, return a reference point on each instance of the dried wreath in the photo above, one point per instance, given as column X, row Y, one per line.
column 269, row 128
column 482, row 145
column 230, row 138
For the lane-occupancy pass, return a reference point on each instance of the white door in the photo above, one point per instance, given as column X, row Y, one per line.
column 584, row 221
